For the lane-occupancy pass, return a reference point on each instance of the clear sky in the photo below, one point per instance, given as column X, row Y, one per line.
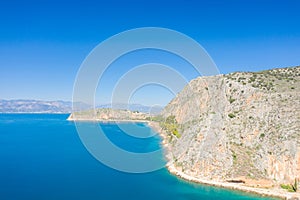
column 42, row 43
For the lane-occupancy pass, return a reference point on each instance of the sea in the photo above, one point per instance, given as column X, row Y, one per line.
column 42, row 157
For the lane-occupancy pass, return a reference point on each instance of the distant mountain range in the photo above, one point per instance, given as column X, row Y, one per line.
column 34, row 106
column 39, row 106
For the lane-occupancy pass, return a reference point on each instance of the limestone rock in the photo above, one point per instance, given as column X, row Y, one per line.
column 239, row 125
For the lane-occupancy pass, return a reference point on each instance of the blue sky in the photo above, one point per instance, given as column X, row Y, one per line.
column 42, row 43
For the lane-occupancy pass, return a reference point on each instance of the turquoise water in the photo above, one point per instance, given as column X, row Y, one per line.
column 42, row 157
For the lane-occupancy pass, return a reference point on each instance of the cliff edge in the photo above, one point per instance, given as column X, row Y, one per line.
column 242, row 126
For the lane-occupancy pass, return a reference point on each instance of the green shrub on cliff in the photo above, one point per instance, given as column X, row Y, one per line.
column 287, row 187
column 171, row 126
column 290, row 187
column 176, row 133
column 231, row 100
column 231, row 115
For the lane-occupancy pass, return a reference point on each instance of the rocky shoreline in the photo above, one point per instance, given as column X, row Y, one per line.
column 271, row 192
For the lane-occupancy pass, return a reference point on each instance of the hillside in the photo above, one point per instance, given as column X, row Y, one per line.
column 242, row 126
column 108, row 114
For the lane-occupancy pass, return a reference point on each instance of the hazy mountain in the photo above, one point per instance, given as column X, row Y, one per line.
column 34, row 106
column 39, row 106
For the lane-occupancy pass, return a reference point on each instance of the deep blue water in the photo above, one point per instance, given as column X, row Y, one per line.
column 42, row 157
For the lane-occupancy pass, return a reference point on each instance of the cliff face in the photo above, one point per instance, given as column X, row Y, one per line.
column 238, row 125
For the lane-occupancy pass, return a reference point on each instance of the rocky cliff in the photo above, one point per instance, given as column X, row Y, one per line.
column 240, row 125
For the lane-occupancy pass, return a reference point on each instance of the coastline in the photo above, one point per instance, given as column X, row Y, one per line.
column 109, row 120
column 70, row 118
column 271, row 192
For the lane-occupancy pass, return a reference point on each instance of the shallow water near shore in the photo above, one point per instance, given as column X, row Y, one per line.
column 42, row 157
